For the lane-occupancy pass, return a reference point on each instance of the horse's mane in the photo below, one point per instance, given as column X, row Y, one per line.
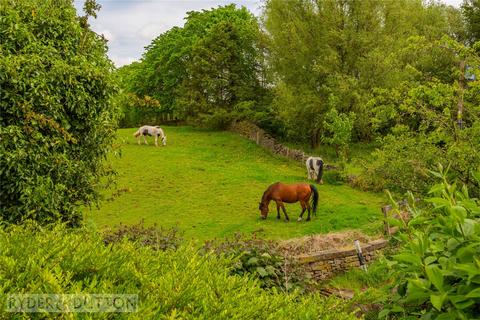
column 264, row 196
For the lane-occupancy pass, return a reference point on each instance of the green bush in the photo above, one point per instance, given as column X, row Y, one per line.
column 156, row 238
column 438, row 268
column 56, row 119
column 262, row 259
column 179, row 284
column 137, row 111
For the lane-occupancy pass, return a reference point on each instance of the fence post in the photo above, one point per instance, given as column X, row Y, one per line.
column 361, row 258
column 386, row 224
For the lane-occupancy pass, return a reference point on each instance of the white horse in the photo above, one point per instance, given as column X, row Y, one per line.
column 151, row 131
column 315, row 169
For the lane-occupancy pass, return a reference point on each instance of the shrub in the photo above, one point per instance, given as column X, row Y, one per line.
column 137, row 111
column 157, row 239
column 438, row 268
column 170, row 284
column 264, row 260
column 56, row 119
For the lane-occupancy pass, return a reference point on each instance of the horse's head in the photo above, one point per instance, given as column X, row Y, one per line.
column 263, row 207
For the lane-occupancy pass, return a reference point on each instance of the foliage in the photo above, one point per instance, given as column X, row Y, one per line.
column 438, row 267
column 264, row 260
column 170, row 284
column 471, row 12
column 420, row 127
column 155, row 238
column 205, row 69
column 333, row 54
column 138, row 111
column 338, row 129
column 56, row 119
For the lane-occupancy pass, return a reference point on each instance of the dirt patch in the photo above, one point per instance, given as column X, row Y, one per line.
column 320, row 242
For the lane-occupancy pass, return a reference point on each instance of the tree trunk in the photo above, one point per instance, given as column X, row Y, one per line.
column 461, row 85
column 315, row 138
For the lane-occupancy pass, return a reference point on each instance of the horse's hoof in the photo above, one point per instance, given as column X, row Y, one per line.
column 300, row 219
column 288, row 220
column 308, row 219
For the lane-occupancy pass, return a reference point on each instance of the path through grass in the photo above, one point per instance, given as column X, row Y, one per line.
column 209, row 184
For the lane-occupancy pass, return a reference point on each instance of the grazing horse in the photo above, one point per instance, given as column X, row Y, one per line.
column 151, row 131
column 289, row 193
column 315, row 169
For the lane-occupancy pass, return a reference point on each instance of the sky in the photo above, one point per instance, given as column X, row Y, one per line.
column 130, row 25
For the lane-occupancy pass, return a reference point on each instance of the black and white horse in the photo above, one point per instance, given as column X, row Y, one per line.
column 315, row 168
column 154, row 131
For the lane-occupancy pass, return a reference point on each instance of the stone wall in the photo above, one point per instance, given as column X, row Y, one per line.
column 326, row 264
column 252, row 132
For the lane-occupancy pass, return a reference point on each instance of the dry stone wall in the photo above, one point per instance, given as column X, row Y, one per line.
column 252, row 132
column 326, row 264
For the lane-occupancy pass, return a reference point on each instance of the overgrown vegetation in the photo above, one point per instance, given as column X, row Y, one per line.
column 438, row 267
column 56, row 120
column 169, row 284
column 154, row 237
column 264, row 260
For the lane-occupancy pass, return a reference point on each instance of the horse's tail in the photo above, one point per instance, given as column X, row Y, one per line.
column 320, row 171
column 315, row 198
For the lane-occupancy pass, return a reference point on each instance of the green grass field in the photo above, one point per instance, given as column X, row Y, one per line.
column 208, row 184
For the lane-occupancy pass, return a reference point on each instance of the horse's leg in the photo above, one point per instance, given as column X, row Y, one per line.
column 138, row 140
column 145, row 139
column 308, row 174
column 308, row 208
column 284, row 211
column 278, row 210
column 304, row 207
column 156, row 139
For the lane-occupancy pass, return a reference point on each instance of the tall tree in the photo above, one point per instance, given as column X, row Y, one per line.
column 57, row 121
column 208, row 69
column 471, row 12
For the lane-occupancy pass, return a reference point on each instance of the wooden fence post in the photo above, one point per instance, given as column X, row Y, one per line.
column 361, row 258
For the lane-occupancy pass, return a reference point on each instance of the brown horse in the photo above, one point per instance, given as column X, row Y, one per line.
column 289, row 193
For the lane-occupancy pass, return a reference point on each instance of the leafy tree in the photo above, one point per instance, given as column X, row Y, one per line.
column 208, row 70
column 339, row 130
column 471, row 12
column 56, row 119
column 333, row 54
column 419, row 124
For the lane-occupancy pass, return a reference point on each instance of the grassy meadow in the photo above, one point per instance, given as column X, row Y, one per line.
column 209, row 183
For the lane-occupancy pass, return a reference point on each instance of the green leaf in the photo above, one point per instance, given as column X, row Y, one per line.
column 253, row 261
column 429, row 260
column 435, row 276
column 461, row 301
column 438, row 202
column 262, row 272
column 437, row 300
column 408, row 257
column 270, row 270
column 384, row 313
column 474, row 293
